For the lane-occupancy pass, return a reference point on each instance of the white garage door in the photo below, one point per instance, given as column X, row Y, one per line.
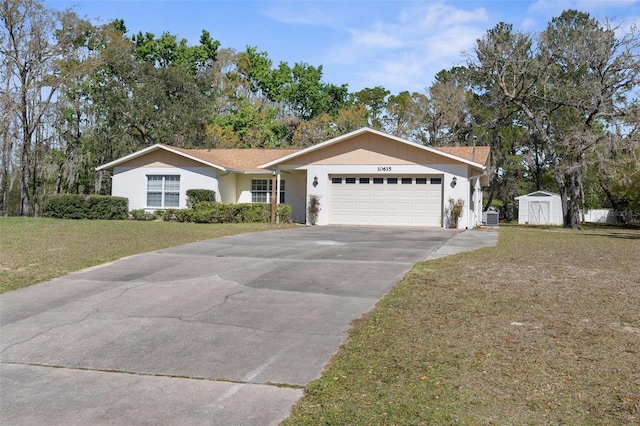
column 388, row 200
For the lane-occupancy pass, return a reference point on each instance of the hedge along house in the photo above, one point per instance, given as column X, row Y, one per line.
column 364, row 177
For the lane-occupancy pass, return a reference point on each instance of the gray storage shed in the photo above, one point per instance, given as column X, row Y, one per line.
column 540, row 208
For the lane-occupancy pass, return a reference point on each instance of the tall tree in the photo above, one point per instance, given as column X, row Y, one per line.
column 405, row 116
column 375, row 101
column 299, row 90
column 31, row 66
column 449, row 118
column 570, row 86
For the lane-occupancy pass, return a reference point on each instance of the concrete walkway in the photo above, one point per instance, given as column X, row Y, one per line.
column 224, row 331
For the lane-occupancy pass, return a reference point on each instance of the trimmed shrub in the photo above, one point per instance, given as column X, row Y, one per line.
column 210, row 212
column 283, row 213
column 169, row 215
column 76, row 206
column 64, row 206
column 195, row 196
column 106, row 207
column 142, row 214
column 204, row 205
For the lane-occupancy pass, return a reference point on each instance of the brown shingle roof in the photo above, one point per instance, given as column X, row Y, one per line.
column 479, row 154
column 238, row 159
column 248, row 159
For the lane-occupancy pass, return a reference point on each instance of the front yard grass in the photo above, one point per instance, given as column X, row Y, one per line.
column 542, row 329
column 38, row 249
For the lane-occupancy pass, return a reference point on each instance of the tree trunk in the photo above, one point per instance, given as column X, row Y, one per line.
column 25, row 168
column 573, row 211
column 7, row 147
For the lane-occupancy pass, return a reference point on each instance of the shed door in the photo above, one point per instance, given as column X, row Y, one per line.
column 385, row 200
column 539, row 212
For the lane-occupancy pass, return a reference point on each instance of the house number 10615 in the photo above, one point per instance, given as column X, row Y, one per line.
column 384, row 168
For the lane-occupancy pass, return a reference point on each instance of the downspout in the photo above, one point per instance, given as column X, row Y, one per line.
column 278, row 177
column 278, row 187
column 218, row 176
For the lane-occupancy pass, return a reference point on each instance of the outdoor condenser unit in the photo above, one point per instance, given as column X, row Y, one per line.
column 490, row 218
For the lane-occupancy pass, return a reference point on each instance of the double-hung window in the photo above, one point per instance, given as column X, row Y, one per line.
column 163, row 191
column 261, row 191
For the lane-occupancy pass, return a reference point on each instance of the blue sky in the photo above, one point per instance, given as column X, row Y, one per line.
column 399, row 45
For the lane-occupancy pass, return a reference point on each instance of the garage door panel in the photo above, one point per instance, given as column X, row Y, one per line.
column 408, row 201
column 392, row 219
column 407, row 207
column 349, row 206
column 421, row 207
column 364, row 218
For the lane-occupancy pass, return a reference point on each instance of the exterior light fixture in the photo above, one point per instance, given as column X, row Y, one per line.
column 315, row 181
column 454, row 182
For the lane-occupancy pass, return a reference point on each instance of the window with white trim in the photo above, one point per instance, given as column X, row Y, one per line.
column 163, row 191
column 261, row 191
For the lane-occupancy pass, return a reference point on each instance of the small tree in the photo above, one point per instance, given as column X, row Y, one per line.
column 454, row 211
column 313, row 208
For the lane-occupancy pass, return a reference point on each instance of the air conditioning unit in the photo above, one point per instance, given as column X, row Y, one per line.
column 490, row 218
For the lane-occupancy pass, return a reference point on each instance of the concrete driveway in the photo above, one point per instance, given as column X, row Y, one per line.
column 224, row 331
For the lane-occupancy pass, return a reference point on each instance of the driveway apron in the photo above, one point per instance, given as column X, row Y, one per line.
column 223, row 331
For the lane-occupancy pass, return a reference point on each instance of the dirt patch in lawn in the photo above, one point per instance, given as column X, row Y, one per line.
column 543, row 329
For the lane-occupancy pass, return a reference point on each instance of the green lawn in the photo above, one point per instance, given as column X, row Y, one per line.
column 543, row 329
column 37, row 249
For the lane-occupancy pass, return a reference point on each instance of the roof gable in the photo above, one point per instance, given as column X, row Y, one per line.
column 238, row 160
column 154, row 148
column 476, row 157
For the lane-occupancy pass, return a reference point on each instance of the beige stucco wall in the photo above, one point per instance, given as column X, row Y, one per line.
column 160, row 158
column 372, row 149
column 227, row 183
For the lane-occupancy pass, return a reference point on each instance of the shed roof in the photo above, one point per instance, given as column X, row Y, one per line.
column 538, row 194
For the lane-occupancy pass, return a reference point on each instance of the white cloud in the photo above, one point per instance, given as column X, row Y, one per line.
column 528, row 24
column 405, row 50
column 587, row 5
column 553, row 7
column 303, row 14
column 374, row 39
column 440, row 15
